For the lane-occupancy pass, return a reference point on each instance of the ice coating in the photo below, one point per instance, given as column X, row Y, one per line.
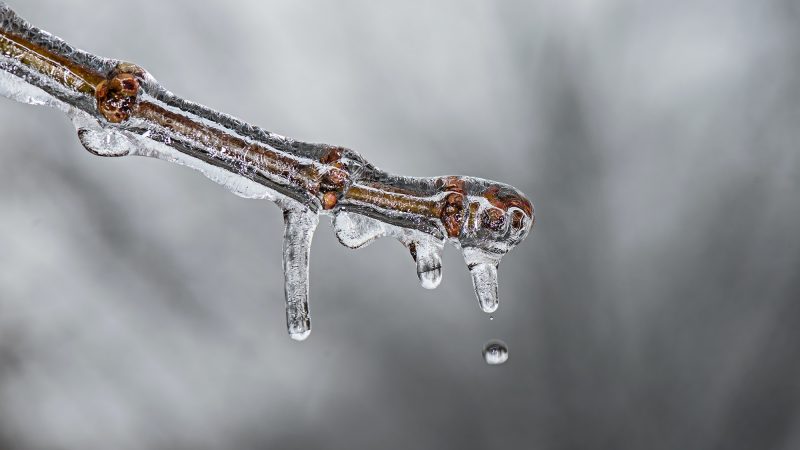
column 118, row 109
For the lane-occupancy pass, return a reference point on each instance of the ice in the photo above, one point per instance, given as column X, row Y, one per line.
column 427, row 253
column 495, row 352
column 101, row 141
column 356, row 231
column 484, row 279
column 104, row 143
column 15, row 88
column 298, row 232
column 483, row 268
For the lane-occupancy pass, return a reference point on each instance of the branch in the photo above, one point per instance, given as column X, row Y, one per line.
column 119, row 109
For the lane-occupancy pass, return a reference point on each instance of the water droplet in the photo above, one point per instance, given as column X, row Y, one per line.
column 491, row 317
column 495, row 352
column 300, row 336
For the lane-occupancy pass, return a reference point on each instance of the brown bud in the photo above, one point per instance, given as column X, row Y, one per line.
column 329, row 200
column 450, row 184
column 116, row 96
column 334, row 180
column 508, row 200
column 452, row 214
column 331, row 155
column 516, row 219
column 493, row 219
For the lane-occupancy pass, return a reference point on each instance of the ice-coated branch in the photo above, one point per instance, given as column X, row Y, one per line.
column 119, row 109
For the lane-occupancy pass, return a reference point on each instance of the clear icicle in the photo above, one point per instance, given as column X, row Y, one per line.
column 298, row 232
column 484, row 279
column 427, row 254
column 105, row 143
column 483, row 268
column 356, row 231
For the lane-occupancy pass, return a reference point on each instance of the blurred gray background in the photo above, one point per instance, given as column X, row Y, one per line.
column 656, row 306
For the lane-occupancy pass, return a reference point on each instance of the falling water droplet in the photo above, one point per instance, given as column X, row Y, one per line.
column 491, row 317
column 495, row 352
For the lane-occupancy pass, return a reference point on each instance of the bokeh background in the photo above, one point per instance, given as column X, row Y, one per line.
column 656, row 306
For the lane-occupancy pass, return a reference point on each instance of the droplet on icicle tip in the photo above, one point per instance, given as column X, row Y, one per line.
column 300, row 335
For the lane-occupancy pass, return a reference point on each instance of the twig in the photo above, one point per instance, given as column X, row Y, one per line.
column 119, row 109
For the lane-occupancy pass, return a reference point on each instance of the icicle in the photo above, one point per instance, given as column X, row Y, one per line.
column 427, row 254
column 484, row 279
column 483, row 268
column 298, row 232
column 105, row 143
column 355, row 230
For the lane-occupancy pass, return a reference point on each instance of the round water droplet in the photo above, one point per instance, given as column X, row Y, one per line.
column 495, row 352
column 491, row 317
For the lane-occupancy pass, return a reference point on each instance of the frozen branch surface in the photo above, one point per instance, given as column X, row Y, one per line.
column 119, row 109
